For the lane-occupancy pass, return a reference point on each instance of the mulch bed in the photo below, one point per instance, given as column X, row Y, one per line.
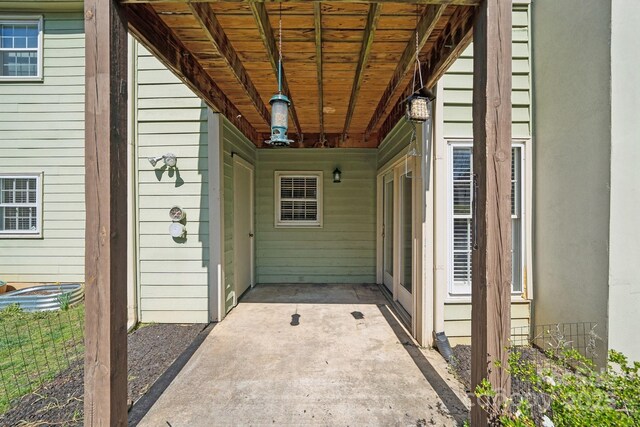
column 461, row 367
column 151, row 350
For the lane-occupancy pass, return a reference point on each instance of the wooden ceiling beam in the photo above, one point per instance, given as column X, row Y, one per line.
column 444, row 2
column 266, row 32
column 146, row 26
column 425, row 27
column 317, row 21
column 367, row 41
column 331, row 140
column 453, row 40
column 205, row 15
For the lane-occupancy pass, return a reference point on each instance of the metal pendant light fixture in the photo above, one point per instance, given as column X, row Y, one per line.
column 279, row 104
column 418, row 104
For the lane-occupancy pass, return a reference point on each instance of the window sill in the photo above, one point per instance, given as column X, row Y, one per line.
column 298, row 225
column 4, row 236
column 515, row 298
column 38, row 79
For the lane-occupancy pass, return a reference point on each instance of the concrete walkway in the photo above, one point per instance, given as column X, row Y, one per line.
column 310, row 355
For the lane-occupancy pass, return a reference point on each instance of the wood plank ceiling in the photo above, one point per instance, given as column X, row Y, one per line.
column 347, row 65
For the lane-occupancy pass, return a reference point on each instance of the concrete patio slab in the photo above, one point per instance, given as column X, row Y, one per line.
column 309, row 355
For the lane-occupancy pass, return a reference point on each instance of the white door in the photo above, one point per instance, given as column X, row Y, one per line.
column 387, row 231
column 404, row 290
column 242, row 225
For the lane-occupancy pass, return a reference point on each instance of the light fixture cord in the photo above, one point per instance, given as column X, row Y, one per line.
column 280, row 51
column 416, row 67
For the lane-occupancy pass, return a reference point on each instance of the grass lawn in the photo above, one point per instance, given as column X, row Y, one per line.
column 35, row 347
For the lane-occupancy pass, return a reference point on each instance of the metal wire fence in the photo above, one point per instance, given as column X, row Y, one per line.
column 35, row 347
column 543, row 346
column 551, row 340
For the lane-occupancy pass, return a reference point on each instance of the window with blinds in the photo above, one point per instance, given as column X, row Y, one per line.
column 20, row 205
column 461, row 217
column 299, row 200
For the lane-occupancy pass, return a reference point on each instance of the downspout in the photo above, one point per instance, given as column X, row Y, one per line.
column 132, row 194
column 440, row 224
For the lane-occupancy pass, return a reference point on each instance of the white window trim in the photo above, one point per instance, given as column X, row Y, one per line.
column 21, row 19
column 298, row 224
column 22, row 234
column 454, row 296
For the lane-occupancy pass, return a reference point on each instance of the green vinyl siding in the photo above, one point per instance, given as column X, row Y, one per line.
column 458, row 85
column 42, row 131
column 236, row 143
column 173, row 274
column 457, row 321
column 395, row 143
column 344, row 249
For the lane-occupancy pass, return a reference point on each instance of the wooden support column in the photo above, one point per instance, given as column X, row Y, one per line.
column 491, row 289
column 105, row 384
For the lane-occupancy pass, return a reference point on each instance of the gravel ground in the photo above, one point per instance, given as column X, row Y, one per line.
column 151, row 350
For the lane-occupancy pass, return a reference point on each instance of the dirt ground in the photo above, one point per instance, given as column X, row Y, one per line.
column 461, row 367
column 151, row 350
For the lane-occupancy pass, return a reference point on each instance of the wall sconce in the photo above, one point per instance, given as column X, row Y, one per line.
column 169, row 159
column 337, row 175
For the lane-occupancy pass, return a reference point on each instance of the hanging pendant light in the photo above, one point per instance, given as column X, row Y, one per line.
column 418, row 102
column 279, row 104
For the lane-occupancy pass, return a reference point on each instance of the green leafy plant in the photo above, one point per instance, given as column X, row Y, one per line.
column 578, row 393
column 64, row 299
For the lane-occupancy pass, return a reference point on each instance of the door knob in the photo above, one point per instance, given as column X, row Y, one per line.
column 250, row 234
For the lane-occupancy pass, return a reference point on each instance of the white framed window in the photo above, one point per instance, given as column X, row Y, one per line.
column 460, row 217
column 298, row 199
column 21, row 205
column 20, row 48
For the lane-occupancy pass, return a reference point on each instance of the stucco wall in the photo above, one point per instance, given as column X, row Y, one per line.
column 572, row 126
column 624, row 240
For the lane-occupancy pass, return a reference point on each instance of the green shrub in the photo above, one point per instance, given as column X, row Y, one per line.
column 578, row 393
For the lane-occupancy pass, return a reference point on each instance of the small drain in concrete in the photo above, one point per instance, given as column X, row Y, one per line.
column 295, row 319
column 357, row 315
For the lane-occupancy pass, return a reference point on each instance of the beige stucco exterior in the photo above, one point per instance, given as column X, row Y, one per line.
column 585, row 180
column 624, row 240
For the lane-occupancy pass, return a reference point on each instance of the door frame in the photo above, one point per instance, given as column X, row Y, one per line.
column 421, row 326
column 387, row 178
column 397, row 167
column 406, row 299
column 239, row 162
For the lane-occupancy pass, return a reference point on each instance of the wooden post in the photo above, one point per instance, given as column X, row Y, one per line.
column 491, row 289
column 105, row 384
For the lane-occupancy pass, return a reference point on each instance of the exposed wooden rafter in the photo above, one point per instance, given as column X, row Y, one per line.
column 266, row 32
column 317, row 23
column 333, row 140
column 451, row 2
column 207, row 19
column 425, row 27
column 367, row 41
column 153, row 33
column 450, row 44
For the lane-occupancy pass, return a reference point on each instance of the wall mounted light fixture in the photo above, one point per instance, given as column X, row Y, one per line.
column 337, row 175
column 169, row 159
